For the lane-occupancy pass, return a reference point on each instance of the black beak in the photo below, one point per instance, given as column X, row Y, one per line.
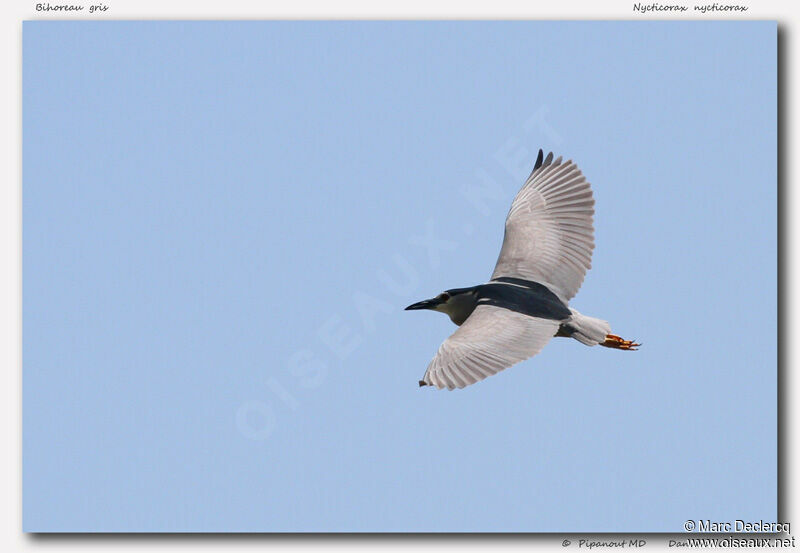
column 425, row 304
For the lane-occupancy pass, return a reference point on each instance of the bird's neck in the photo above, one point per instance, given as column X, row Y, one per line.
column 460, row 307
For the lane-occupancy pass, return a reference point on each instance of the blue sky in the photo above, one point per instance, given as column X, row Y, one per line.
column 223, row 222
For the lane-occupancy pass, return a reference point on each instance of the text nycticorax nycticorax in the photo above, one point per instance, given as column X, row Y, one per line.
column 547, row 249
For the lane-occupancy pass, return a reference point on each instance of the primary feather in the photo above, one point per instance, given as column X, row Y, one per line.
column 491, row 339
column 549, row 233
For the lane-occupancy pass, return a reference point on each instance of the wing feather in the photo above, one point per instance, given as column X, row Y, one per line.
column 549, row 234
column 490, row 340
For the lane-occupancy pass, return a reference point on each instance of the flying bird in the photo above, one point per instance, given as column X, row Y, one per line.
column 547, row 249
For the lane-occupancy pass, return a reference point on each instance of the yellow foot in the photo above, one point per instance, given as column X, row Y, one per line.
column 615, row 342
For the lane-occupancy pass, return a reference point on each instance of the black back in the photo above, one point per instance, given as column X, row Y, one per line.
column 527, row 297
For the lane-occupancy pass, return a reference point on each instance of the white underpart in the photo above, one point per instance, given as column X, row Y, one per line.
column 588, row 330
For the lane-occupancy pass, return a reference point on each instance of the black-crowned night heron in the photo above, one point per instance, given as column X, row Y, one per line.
column 547, row 249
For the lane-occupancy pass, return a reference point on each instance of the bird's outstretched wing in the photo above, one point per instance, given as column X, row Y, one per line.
column 490, row 340
column 549, row 236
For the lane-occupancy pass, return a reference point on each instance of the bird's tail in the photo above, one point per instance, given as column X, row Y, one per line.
column 591, row 332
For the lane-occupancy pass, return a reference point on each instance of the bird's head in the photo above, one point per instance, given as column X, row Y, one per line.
column 438, row 303
column 457, row 303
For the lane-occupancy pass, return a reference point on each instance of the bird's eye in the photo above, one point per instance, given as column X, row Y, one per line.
column 443, row 296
